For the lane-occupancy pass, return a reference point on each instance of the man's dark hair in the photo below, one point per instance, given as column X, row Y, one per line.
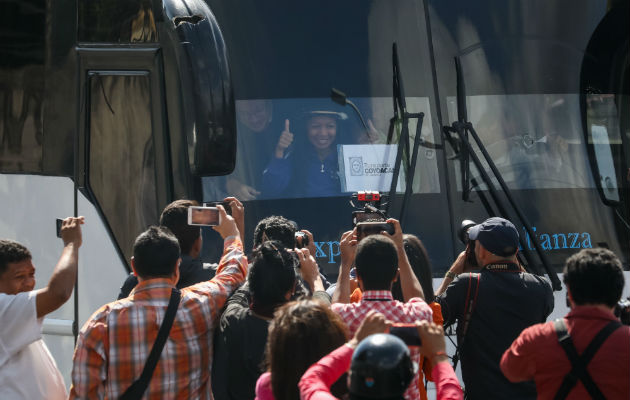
column 271, row 276
column 155, row 253
column 275, row 228
column 12, row 252
column 175, row 218
column 594, row 276
column 376, row 262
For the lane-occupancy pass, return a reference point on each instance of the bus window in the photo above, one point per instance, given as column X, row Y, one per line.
column 121, row 153
column 292, row 148
column 535, row 140
column 113, row 21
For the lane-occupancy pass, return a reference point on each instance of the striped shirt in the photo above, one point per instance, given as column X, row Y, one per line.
column 382, row 301
column 115, row 342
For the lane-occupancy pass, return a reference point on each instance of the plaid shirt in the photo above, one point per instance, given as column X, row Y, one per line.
column 382, row 301
column 115, row 342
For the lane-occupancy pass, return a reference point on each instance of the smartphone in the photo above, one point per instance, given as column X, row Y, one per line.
column 204, row 216
column 59, row 222
column 407, row 333
column 371, row 228
column 226, row 205
column 366, row 216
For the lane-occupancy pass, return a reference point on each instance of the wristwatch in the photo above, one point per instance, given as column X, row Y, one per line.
column 450, row 274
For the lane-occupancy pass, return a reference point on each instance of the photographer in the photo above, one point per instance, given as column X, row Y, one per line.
column 492, row 307
column 379, row 259
column 27, row 370
column 599, row 364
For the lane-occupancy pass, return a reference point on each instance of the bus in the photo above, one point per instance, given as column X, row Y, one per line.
column 111, row 109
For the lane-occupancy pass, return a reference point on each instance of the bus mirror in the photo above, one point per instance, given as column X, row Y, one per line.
column 604, row 165
column 207, row 96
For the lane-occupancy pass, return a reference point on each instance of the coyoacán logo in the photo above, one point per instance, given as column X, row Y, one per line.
column 356, row 166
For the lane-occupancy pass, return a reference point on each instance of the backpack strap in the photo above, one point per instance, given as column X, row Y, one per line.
column 139, row 386
column 580, row 362
column 469, row 307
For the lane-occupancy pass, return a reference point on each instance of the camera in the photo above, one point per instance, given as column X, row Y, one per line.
column 622, row 311
column 301, row 240
column 368, row 208
column 462, row 234
column 226, row 206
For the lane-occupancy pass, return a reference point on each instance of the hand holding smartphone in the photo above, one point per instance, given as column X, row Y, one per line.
column 372, row 228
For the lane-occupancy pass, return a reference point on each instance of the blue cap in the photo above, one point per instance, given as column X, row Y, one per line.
column 497, row 235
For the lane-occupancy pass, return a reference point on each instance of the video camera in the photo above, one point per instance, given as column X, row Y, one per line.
column 369, row 219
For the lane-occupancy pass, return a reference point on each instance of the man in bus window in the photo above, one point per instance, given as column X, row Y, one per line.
column 594, row 281
column 27, row 370
column 492, row 307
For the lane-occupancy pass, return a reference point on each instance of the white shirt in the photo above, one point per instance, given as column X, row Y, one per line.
column 27, row 370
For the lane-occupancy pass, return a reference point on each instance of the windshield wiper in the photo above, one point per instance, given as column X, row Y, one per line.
column 464, row 149
column 404, row 145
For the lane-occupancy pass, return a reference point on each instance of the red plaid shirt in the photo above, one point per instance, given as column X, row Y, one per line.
column 115, row 342
column 382, row 301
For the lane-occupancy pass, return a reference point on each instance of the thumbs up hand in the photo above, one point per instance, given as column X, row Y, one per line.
column 285, row 140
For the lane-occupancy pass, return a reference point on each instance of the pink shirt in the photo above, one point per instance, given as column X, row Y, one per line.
column 263, row 387
column 316, row 381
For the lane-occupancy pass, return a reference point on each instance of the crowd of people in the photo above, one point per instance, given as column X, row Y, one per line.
column 270, row 325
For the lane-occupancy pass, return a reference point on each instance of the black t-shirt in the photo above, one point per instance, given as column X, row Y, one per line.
column 508, row 301
column 191, row 271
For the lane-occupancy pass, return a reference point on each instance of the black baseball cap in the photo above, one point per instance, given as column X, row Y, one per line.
column 497, row 235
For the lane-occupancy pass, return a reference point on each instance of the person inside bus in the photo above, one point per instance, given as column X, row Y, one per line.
column 27, row 369
column 304, row 164
column 301, row 333
column 257, row 137
column 192, row 269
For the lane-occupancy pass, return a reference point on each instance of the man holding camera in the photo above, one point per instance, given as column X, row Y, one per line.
column 586, row 353
column 379, row 260
column 114, row 344
column 492, row 307
column 27, row 370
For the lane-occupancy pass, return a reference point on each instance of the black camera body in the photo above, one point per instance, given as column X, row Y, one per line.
column 462, row 234
column 622, row 311
column 301, row 240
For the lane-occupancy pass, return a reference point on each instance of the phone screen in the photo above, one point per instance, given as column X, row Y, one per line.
column 365, row 216
column 407, row 333
column 203, row 216
column 372, row 228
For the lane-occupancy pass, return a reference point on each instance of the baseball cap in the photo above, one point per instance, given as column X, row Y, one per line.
column 497, row 235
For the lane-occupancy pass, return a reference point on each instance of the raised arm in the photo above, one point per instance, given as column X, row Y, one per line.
column 409, row 283
column 348, row 247
column 61, row 284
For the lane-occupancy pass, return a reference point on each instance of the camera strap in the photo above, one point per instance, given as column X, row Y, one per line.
column 139, row 386
column 579, row 362
column 469, row 307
